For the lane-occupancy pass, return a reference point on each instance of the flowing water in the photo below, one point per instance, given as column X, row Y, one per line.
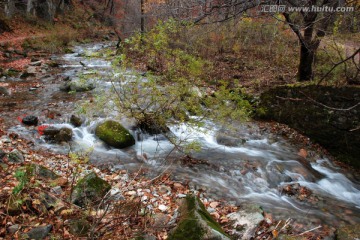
column 254, row 171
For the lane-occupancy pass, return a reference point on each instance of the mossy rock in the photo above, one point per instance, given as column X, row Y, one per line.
column 39, row 171
column 196, row 222
column 114, row 134
column 15, row 156
column 89, row 190
column 76, row 120
column 348, row 232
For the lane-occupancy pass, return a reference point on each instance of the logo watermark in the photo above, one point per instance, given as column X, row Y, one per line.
column 313, row 8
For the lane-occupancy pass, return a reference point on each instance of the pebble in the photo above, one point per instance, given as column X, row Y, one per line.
column 180, row 195
column 57, row 190
column 162, row 208
column 210, row 210
column 144, row 198
column 214, row 204
column 130, row 193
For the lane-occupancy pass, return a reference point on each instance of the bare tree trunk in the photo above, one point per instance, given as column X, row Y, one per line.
column 142, row 18
column 305, row 71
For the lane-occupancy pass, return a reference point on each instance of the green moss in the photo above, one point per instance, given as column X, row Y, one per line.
column 39, row 171
column 90, row 190
column 191, row 225
column 114, row 134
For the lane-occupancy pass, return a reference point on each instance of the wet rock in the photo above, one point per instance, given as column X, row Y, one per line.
column 114, row 134
column 77, row 87
column 76, row 121
column 152, row 125
column 64, row 135
column 15, row 156
column 89, row 190
column 196, row 222
column 50, row 132
column 58, row 135
column 229, row 141
column 247, row 220
column 4, row 91
column 79, row 227
column 30, row 120
column 38, row 232
column 348, row 232
column 29, row 72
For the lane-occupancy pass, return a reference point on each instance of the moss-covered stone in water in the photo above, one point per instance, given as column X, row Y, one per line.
column 196, row 223
column 114, row 134
column 89, row 190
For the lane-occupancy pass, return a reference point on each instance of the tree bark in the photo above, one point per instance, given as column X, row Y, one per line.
column 305, row 71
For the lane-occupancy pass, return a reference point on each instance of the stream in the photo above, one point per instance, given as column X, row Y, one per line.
column 255, row 171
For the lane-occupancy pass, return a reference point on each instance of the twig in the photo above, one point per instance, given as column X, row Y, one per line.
column 310, row 230
column 337, row 64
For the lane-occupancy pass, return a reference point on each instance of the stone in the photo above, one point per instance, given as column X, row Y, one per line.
column 163, row 208
column 79, row 227
column 196, row 222
column 39, row 172
column 89, row 190
column 4, row 91
column 29, row 72
column 76, row 86
column 38, row 232
column 13, row 229
column 30, row 120
column 114, row 134
column 247, row 219
column 2, row 154
column 348, row 232
column 76, row 121
column 229, row 141
column 15, row 156
column 35, row 63
column 64, row 135
column 152, row 125
column 59, row 135
column 57, row 190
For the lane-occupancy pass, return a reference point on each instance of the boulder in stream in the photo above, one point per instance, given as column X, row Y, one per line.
column 195, row 221
column 89, row 190
column 30, row 120
column 247, row 220
column 76, row 120
column 58, row 134
column 74, row 86
column 114, row 134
